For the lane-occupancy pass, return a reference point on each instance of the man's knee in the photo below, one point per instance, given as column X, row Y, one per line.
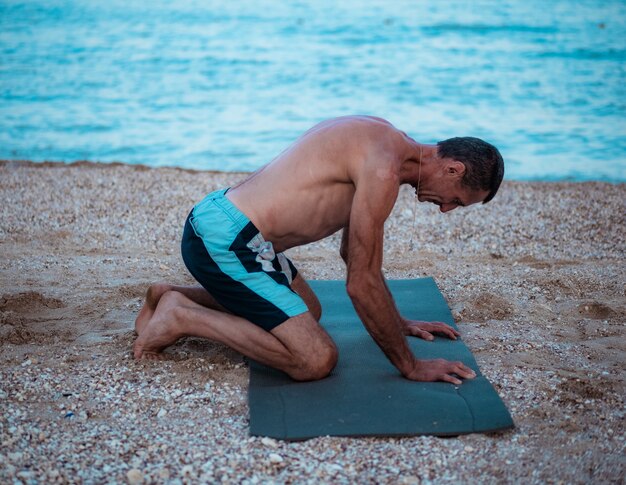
column 312, row 353
column 317, row 367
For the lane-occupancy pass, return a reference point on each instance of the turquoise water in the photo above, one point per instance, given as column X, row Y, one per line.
column 227, row 85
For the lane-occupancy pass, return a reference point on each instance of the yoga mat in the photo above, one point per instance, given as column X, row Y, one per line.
column 365, row 395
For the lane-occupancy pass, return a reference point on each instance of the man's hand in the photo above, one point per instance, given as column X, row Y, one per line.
column 425, row 330
column 440, row 370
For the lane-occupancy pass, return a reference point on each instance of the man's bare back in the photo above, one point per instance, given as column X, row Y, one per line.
column 342, row 173
column 306, row 193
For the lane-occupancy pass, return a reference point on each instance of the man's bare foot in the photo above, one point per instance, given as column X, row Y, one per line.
column 153, row 295
column 161, row 331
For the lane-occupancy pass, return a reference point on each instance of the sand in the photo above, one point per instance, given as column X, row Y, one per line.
column 536, row 280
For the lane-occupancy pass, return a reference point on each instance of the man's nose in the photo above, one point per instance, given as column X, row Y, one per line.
column 447, row 207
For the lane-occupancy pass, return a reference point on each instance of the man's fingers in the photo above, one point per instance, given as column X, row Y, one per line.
column 464, row 371
column 460, row 370
column 440, row 327
column 424, row 330
column 449, row 332
column 441, row 370
column 418, row 332
column 451, row 328
column 451, row 379
column 446, row 329
column 423, row 334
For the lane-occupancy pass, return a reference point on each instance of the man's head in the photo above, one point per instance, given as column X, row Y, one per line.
column 484, row 166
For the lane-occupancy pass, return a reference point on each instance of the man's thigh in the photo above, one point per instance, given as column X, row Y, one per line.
column 302, row 288
column 305, row 337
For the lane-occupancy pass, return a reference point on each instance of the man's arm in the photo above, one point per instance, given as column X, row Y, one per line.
column 376, row 192
column 343, row 249
column 415, row 328
column 422, row 329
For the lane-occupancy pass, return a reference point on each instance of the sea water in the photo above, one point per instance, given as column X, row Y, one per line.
column 227, row 85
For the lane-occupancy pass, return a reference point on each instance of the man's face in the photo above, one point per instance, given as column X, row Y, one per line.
column 449, row 194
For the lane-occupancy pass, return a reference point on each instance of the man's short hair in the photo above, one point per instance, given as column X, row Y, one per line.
column 484, row 166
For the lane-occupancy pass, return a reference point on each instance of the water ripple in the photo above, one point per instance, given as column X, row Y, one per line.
column 227, row 85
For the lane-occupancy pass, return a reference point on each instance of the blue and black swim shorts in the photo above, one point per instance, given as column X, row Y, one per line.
column 228, row 256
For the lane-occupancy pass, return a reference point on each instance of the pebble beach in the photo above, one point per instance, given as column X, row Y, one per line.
column 535, row 280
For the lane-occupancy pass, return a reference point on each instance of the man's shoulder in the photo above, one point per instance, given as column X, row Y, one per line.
column 374, row 119
column 361, row 121
column 374, row 135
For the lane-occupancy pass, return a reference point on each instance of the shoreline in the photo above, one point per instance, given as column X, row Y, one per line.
column 103, row 165
column 144, row 167
column 534, row 279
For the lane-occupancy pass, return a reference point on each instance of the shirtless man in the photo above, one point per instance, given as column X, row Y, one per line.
column 343, row 173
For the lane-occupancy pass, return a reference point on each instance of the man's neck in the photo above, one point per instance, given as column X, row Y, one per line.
column 419, row 164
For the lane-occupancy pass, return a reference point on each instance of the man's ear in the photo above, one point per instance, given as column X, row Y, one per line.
column 455, row 168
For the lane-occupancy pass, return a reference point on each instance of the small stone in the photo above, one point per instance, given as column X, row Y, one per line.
column 17, row 456
column 164, row 474
column 275, row 458
column 26, row 475
column 186, row 471
column 269, row 442
column 411, row 481
column 134, row 476
column 162, row 412
column 334, row 468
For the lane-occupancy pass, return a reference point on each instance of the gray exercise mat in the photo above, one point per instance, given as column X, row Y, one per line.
column 365, row 395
